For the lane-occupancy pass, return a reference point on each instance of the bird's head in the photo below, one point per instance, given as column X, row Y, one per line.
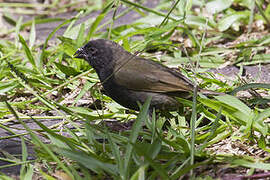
column 98, row 53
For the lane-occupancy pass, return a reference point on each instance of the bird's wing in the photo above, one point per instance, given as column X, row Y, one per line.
column 145, row 75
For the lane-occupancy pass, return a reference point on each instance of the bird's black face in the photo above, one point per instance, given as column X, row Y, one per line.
column 86, row 52
column 97, row 53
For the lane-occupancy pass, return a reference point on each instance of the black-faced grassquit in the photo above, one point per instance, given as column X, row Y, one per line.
column 129, row 79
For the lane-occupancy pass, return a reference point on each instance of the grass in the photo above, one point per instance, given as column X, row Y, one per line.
column 42, row 81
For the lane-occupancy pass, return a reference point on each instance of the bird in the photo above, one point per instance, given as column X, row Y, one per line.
column 130, row 79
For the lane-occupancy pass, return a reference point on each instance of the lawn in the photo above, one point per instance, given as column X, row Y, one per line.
column 52, row 104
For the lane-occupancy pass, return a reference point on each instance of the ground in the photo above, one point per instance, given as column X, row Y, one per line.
column 226, row 72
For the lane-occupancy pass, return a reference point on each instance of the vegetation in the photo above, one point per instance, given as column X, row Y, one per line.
column 210, row 138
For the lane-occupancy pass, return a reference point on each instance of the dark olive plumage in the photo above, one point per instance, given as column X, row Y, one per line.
column 129, row 79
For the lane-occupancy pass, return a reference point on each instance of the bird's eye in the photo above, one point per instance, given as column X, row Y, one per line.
column 92, row 50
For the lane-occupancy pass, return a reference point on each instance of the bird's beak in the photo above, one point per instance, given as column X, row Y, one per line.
column 79, row 54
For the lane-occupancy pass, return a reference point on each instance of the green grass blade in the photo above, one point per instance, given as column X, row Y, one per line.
column 27, row 51
column 42, row 56
column 17, row 31
column 134, row 134
column 192, row 125
column 98, row 20
column 32, row 37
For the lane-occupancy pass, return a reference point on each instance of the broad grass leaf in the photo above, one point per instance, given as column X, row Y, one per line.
column 27, row 51
column 149, row 152
column 43, row 54
column 134, row 134
column 227, row 21
column 259, row 118
column 80, row 38
column 98, row 20
column 237, row 110
column 41, row 20
column 87, row 160
column 60, row 140
column 32, row 37
column 250, row 86
column 67, row 70
column 200, row 21
column 90, row 115
column 250, row 164
column 217, row 6
column 117, row 155
column 8, row 86
column 140, row 173
column 9, row 19
column 235, row 103
column 17, row 31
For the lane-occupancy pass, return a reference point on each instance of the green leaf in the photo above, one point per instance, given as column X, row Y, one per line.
column 9, row 19
column 90, row 115
column 264, row 127
column 8, row 86
column 87, row 160
column 134, row 134
column 250, row 164
column 32, row 37
column 71, row 32
column 57, row 138
column 238, row 111
column 199, row 21
column 149, row 152
column 80, row 38
column 27, row 51
column 17, row 31
column 234, row 102
column 68, row 48
column 150, row 10
column 67, row 70
column 98, row 20
column 250, row 86
column 140, row 173
column 217, row 6
column 117, row 156
column 41, row 21
column 42, row 56
column 87, row 86
column 226, row 22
